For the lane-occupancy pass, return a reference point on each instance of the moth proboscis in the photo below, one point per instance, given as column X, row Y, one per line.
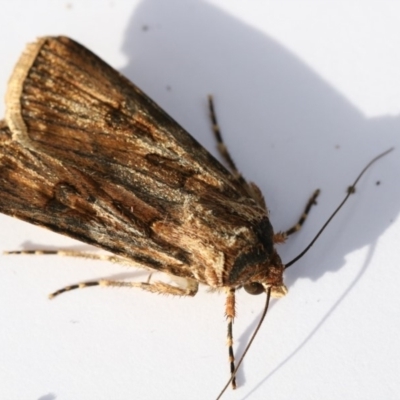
column 86, row 153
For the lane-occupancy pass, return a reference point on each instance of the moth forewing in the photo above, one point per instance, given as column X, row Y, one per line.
column 86, row 153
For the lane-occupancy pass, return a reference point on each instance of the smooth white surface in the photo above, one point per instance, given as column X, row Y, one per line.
column 306, row 93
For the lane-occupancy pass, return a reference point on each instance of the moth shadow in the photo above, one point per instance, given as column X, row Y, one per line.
column 288, row 129
column 48, row 396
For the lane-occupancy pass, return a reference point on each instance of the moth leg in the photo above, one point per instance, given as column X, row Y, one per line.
column 223, row 150
column 250, row 187
column 149, row 278
column 280, row 237
column 230, row 315
column 70, row 253
column 156, row 287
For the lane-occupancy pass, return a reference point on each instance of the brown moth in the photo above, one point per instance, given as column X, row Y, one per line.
column 85, row 153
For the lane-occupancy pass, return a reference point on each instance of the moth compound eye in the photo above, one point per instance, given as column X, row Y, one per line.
column 254, row 288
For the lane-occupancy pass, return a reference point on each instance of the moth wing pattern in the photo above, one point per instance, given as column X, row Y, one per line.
column 66, row 200
column 102, row 163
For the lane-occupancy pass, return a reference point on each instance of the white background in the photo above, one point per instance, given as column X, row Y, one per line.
column 306, row 93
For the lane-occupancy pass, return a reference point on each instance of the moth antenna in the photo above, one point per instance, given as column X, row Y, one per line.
column 233, row 375
column 350, row 191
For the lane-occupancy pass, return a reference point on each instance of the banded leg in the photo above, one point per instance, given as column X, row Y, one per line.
column 71, row 253
column 281, row 237
column 230, row 315
column 218, row 136
column 250, row 187
column 223, row 150
column 156, row 287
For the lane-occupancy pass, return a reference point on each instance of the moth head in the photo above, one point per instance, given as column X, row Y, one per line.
column 262, row 271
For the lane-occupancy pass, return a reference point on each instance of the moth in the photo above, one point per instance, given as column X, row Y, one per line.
column 85, row 153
